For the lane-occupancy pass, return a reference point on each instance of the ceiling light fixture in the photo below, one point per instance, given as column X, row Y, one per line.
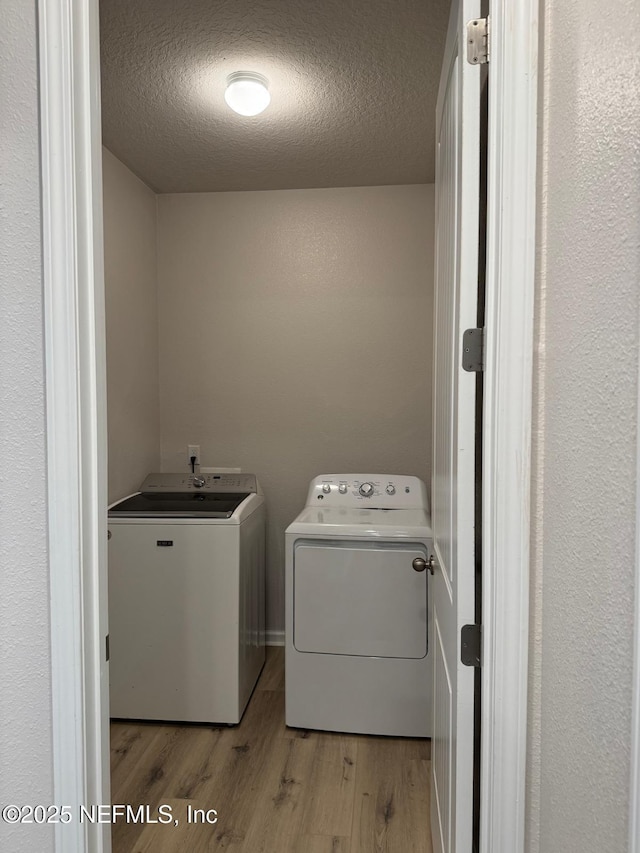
column 247, row 93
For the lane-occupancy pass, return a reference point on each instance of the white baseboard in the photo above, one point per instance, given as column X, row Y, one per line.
column 273, row 637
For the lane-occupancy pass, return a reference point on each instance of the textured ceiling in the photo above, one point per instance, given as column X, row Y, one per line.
column 353, row 86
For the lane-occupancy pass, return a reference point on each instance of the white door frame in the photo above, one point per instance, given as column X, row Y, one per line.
column 634, row 798
column 509, row 313
column 76, row 405
column 75, row 369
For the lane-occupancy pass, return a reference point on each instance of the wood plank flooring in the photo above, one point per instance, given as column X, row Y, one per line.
column 275, row 790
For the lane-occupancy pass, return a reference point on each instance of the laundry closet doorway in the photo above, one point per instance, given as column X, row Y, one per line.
column 72, row 130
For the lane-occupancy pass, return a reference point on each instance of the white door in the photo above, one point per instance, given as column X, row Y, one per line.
column 456, row 286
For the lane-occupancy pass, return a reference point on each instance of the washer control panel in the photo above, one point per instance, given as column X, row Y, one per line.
column 378, row 491
column 199, row 483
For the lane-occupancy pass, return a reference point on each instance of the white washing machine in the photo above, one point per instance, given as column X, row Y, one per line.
column 186, row 598
column 357, row 607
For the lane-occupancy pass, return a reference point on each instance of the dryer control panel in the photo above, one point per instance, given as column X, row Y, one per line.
column 377, row 491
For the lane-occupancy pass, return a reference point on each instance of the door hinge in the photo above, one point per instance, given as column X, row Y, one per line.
column 106, row 647
column 471, row 645
column 478, row 41
column 473, row 350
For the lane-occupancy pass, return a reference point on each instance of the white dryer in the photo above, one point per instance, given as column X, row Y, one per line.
column 186, row 598
column 357, row 607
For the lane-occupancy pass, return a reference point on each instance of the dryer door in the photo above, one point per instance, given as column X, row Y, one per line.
column 359, row 598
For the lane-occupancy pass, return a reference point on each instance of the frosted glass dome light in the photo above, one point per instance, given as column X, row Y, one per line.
column 247, row 93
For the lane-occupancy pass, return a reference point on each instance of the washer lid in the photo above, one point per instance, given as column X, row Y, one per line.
column 179, row 505
column 363, row 523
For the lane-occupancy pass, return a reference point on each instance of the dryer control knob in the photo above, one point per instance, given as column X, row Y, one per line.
column 198, row 482
column 366, row 490
column 342, row 488
column 326, row 488
column 391, row 489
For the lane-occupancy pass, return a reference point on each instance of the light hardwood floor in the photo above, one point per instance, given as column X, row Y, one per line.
column 275, row 790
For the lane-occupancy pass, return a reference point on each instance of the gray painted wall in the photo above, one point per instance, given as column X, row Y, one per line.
column 294, row 339
column 585, row 420
column 25, row 663
column 131, row 296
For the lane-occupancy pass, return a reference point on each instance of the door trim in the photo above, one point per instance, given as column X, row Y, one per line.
column 75, row 409
column 511, row 243
column 634, row 793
